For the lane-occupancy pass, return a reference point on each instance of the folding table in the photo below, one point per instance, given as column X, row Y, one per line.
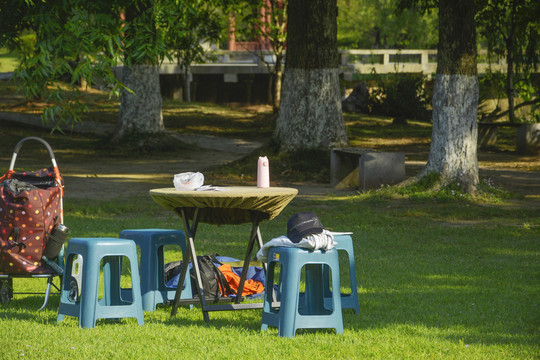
column 226, row 206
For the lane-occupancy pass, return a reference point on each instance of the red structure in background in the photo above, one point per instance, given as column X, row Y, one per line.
column 263, row 43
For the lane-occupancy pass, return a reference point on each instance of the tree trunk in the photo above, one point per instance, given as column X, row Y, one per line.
column 310, row 115
column 510, row 85
column 187, row 87
column 140, row 111
column 510, row 64
column 276, row 83
column 453, row 152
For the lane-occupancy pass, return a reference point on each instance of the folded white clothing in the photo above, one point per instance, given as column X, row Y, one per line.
column 322, row 241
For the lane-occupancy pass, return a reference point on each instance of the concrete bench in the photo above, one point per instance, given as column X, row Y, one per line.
column 528, row 139
column 527, row 136
column 365, row 168
column 487, row 132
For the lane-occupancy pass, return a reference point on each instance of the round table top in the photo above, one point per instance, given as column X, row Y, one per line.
column 230, row 205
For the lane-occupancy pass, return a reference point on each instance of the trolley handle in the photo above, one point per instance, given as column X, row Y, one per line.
column 57, row 176
column 19, row 145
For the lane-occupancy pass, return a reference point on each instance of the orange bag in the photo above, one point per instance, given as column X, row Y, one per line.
column 250, row 286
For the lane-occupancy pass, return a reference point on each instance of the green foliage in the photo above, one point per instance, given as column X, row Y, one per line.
column 492, row 85
column 529, row 91
column 488, row 189
column 254, row 27
column 373, row 24
column 511, row 29
column 65, row 41
column 143, row 41
column 82, row 42
column 24, row 44
column 401, row 95
column 190, row 25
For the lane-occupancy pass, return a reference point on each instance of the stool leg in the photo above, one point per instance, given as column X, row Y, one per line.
column 136, row 291
column 336, row 295
column 349, row 301
column 314, row 289
column 64, row 293
column 289, row 296
column 354, row 286
column 89, row 295
column 268, row 294
column 112, row 272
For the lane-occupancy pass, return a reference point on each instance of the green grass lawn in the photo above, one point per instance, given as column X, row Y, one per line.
column 436, row 279
column 439, row 275
column 8, row 62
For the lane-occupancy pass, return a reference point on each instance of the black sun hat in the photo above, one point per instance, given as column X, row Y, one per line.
column 303, row 224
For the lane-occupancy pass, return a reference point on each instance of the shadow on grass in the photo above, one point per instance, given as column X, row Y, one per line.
column 26, row 307
column 483, row 292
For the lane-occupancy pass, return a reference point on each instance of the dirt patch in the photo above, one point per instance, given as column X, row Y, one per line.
column 120, row 177
column 94, row 178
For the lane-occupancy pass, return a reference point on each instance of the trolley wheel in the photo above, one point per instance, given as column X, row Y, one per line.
column 6, row 291
column 73, row 289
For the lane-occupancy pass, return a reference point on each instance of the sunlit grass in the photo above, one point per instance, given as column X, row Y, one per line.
column 8, row 61
column 435, row 279
column 439, row 274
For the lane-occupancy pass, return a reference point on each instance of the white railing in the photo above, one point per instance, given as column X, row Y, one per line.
column 408, row 60
column 381, row 61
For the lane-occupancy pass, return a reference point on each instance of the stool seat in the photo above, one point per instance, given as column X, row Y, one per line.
column 100, row 254
column 312, row 310
column 152, row 264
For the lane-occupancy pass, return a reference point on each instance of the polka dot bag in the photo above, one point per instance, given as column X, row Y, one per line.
column 30, row 207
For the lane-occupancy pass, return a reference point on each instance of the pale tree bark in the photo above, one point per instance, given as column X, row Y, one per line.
column 453, row 152
column 310, row 115
column 140, row 104
column 140, row 110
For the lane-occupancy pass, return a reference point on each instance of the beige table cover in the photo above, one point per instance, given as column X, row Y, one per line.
column 233, row 205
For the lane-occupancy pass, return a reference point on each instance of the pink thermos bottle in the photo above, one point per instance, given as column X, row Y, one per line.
column 263, row 172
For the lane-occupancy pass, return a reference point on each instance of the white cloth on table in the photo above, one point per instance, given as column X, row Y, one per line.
column 323, row 241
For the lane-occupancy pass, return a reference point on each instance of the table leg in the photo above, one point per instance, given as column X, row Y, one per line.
column 260, row 243
column 178, row 293
column 255, row 234
column 190, row 232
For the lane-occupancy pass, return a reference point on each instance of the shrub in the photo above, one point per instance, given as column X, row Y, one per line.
column 402, row 95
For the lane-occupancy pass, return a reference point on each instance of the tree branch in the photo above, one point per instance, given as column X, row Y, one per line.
column 493, row 117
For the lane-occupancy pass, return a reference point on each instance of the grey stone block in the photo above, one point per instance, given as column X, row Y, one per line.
column 528, row 139
column 365, row 169
column 381, row 168
column 344, row 166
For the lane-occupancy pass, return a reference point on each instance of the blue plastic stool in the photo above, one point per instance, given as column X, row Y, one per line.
column 88, row 307
column 348, row 301
column 152, row 264
column 312, row 311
